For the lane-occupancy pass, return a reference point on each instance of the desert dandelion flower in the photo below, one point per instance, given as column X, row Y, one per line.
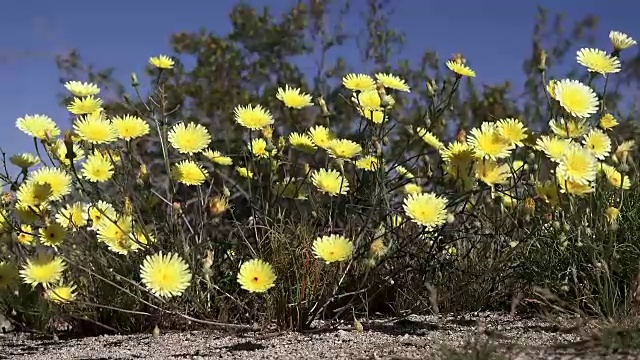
column 61, row 294
column 598, row 61
column 358, row 82
column 258, row 148
column 488, row 143
column 253, row 117
column 244, row 172
column 25, row 235
column 216, row 157
column 620, row 41
column 52, row 234
column 60, row 151
column 98, row 168
column 165, row 275
column 190, row 138
column 607, row 122
column 330, row 182
column 85, row 105
column 38, row 126
column 512, row 130
column 367, row 163
column 59, row 181
column 492, row 173
column 553, row 146
column 577, row 165
column 94, row 128
column 73, row 215
column 615, row 178
column 343, row 149
column 460, row 68
column 392, row 82
column 332, row 248
column 24, row 160
column 302, row 142
column 571, row 128
column 368, row 100
column 256, row 275
column 321, row 136
column 189, row 173
column 42, row 269
column 598, row 143
column 129, row 127
column 576, row 98
column 293, row 97
column 80, row 89
column 429, row 138
column 377, row 116
column 161, row 62
column 426, row 209
column 412, row 188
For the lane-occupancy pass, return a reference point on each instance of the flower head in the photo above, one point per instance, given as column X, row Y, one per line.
column 459, row 153
column 615, row 178
column 190, row 138
column 343, row 149
column 97, row 168
column 488, row 143
column 216, row 157
column 607, row 122
column 59, row 181
column 253, row 117
column 576, row 98
column 460, row 68
column 42, row 269
column 512, row 130
column 244, row 172
column 612, row 214
column 332, row 248
column 25, row 235
column 620, row 40
column 358, row 82
column 52, row 234
column 578, row 165
column 598, row 143
column 94, row 128
column 330, row 182
column 130, row 127
column 61, row 293
column 377, row 116
column 161, row 62
column 256, row 275
column 293, row 97
column 80, row 89
column 189, row 173
column 165, row 275
column 258, row 148
column 38, row 126
column 426, row 209
column 392, row 82
column 598, row 61
column 99, row 212
column 60, row 151
column 412, row 188
column 554, row 147
column 367, row 163
column 85, row 105
column 429, row 138
column 368, row 100
column 321, row 136
column 302, row 142
column 73, row 215
column 575, row 188
column 24, row 160
column 492, row 173
column 572, row 128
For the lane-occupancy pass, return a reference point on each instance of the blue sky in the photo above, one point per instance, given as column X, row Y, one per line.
column 493, row 34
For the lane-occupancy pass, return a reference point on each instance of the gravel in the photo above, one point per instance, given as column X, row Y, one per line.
column 417, row 337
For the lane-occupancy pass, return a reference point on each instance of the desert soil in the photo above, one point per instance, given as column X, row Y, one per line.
column 417, row 337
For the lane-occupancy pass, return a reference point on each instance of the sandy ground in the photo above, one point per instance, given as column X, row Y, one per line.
column 418, row 337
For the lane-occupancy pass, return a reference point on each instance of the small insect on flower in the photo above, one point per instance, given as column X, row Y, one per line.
column 392, row 82
column 85, row 105
column 216, row 157
column 8, row 274
column 321, row 136
column 189, row 138
column 61, row 294
column 598, row 143
column 258, row 148
column 24, row 161
column 165, row 275
column 190, row 173
column 576, row 98
column 332, row 248
column 129, row 127
column 343, row 149
column 598, row 61
column 578, row 165
column 302, row 142
column 38, row 126
column 330, row 182
column 460, row 68
column 358, row 82
column 43, row 269
column 98, row 168
column 94, row 128
column 620, row 41
column 426, row 209
column 253, row 117
column 161, row 62
column 80, row 89
column 256, row 275
column 293, row 97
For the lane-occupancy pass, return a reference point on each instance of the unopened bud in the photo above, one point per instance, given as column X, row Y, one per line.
column 542, row 60
column 432, row 87
column 323, row 106
column 134, row 80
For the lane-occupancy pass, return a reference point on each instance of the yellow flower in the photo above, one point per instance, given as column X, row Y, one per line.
column 614, row 177
column 578, row 165
column 218, row 205
column 607, row 121
column 392, row 82
column 42, row 269
column 302, row 142
column 367, row 163
column 620, row 40
column 38, row 126
column 412, row 188
column 598, row 61
column 24, row 160
column 548, row 192
column 99, row 212
column 25, row 235
column 165, row 275
column 85, row 105
column 61, row 294
column 8, row 275
column 130, row 127
column 574, row 188
column 572, row 128
column 612, row 214
column 512, row 130
column 492, row 173
column 256, row 275
column 97, row 168
column 460, row 68
column 189, row 173
column 598, row 143
column 623, row 151
column 403, row 172
column 368, row 100
column 80, row 89
column 488, row 143
column 59, row 150
column 73, row 215
column 52, row 234
column 330, row 182
column 293, row 97
column 253, row 117
column 343, row 149
column 59, row 181
column 459, row 153
column 190, row 138
column 332, row 248
column 244, row 172
column 94, row 128
column 217, row 157
column 576, row 98
column 116, row 234
column 258, row 148
column 321, row 136
column 426, row 209
column 34, row 194
column 553, row 146
column 358, row 82
column 377, row 116
column 429, row 138
column 161, row 62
